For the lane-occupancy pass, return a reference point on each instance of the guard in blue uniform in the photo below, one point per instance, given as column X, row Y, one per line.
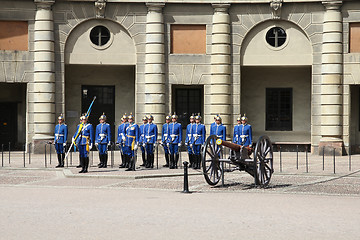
column 174, row 141
column 61, row 132
column 245, row 133
column 236, row 135
column 84, row 142
column 198, row 139
column 151, row 134
column 218, row 128
column 131, row 142
column 102, row 140
column 142, row 140
column 121, row 141
column 164, row 139
column 188, row 138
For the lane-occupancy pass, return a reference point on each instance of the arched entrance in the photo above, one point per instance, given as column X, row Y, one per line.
column 100, row 61
column 276, row 58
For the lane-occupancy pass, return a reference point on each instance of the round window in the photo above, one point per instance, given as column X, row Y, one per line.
column 276, row 36
column 99, row 35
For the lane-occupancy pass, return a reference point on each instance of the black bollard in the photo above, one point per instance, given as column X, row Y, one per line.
column 297, row 157
column 29, row 151
column 70, row 157
column 280, row 159
column 2, row 155
column 157, row 156
column 334, row 160
column 186, row 181
column 9, row 152
column 306, row 156
column 45, row 157
column 323, row 158
column 349, row 158
column 50, row 152
column 24, row 154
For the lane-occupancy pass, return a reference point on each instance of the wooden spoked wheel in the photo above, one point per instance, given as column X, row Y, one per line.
column 211, row 153
column 263, row 161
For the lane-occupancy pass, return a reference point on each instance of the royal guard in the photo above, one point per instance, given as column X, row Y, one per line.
column 102, row 140
column 142, row 140
column 61, row 132
column 236, row 135
column 151, row 134
column 198, row 139
column 84, row 142
column 218, row 128
column 188, row 140
column 131, row 142
column 164, row 139
column 174, row 141
column 121, row 141
column 245, row 133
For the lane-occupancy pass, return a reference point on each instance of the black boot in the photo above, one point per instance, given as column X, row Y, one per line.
column 152, row 160
column 105, row 159
column 197, row 162
column 62, row 159
column 59, row 161
column 191, row 160
column 82, row 164
column 127, row 161
column 131, row 164
column 143, row 159
column 122, row 165
column 176, row 160
column 148, row 161
column 167, row 160
column 101, row 158
column 86, row 163
column 172, row 161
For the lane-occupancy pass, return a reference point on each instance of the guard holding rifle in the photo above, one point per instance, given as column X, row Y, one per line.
column 61, row 132
column 102, row 140
column 131, row 142
column 198, row 139
column 121, row 141
column 164, row 139
column 151, row 134
column 188, row 140
column 84, row 142
column 142, row 140
column 174, row 141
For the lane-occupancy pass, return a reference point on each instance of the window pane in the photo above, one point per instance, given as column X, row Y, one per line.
column 279, row 109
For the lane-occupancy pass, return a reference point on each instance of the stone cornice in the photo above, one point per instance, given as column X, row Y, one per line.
column 332, row 4
column 44, row 4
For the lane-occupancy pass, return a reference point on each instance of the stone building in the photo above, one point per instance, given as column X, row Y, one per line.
column 291, row 65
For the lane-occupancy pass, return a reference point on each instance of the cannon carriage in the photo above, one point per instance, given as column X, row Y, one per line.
column 257, row 162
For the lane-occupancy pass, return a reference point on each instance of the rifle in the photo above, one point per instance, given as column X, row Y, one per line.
column 80, row 128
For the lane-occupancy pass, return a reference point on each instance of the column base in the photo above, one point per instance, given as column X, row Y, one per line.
column 327, row 147
column 38, row 143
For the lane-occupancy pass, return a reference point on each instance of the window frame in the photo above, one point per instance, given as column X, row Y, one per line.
column 279, row 126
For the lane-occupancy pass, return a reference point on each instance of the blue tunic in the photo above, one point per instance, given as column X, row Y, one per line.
column 61, row 132
column 245, row 135
column 151, row 133
column 85, row 139
column 219, row 130
column 121, row 132
column 175, row 133
column 189, row 137
column 131, row 138
column 103, row 133
column 199, row 134
column 164, row 137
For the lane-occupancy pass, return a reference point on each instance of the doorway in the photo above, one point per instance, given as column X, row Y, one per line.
column 104, row 103
column 8, row 123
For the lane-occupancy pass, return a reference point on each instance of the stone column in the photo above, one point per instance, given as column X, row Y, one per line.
column 155, row 63
column 42, row 92
column 220, row 64
column 331, row 83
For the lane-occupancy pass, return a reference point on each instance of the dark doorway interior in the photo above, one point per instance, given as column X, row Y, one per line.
column 104, row 103
column 8, row 124
column 188, row 100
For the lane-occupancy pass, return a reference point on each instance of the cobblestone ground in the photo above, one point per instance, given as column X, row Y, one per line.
column 44, row 203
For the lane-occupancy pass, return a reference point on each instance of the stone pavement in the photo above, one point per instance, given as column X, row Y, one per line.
column 52, row 203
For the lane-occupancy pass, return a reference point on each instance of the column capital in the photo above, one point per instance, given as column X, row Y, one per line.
column 155, row 7
column 44, row 4
column 219, row 7
column 332, row 4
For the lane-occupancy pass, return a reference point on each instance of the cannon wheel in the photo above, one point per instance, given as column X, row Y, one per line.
column 263, row 161
column 210, row 161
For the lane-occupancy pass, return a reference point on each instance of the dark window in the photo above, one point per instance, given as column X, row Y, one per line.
column 99, row 35
column 276, row 36
column 187, row 101
column 279, row 109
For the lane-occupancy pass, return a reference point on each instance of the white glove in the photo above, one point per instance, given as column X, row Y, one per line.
column 135, row 147
column 64, row 144
column 144, row 145
column 179, row 144
column 186, row 144
column 123, row 138
column 191, row 145
column 73, row 140
column 96, row 144
column 90, row 147
column 109, row 143
column 250, row 146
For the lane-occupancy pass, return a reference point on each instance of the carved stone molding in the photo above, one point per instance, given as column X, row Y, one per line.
column 332, row 4
column 100, row 6
column 44, row 4
column 275, row 6
column 155, row 7
column 221, row 7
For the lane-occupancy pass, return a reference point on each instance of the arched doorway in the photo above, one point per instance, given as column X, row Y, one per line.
column 100, row 61
column 276, row 73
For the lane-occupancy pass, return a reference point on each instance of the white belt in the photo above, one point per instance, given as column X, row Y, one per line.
column 150, row 136
column 195, row 135
column 219, row 135
column 102, row 135
column 244, row 136
column 174, row 135
column 59, row 135
column 165, row 134
column 189, row 135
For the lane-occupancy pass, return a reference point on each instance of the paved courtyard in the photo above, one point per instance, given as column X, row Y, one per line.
column 43, row 203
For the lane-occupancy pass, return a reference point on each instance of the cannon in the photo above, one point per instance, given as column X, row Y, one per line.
column 260, row 165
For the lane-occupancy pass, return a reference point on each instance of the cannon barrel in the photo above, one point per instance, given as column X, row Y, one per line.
column 233, row 146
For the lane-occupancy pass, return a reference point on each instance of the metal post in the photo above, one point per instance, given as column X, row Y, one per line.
column 222, row 174
column 280, row 159
column 29, row 151
column 45, row 157
column 186, row 180
column 297, row 157
column 112, row 155
column 24, row 153
column 157, row 156
column 9, row 152
column 70, row 157
column 349, row 158
column 92, row 157
column 50, row 152
column 334, row 160
column 67, row 161
column 306, row 156
column 2, row 155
